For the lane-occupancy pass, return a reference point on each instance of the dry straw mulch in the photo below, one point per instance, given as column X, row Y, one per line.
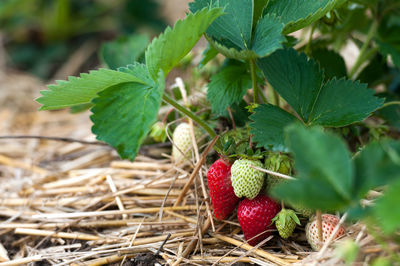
column 69, row 203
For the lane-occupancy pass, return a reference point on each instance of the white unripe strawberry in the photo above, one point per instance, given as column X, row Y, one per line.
column 182, row 139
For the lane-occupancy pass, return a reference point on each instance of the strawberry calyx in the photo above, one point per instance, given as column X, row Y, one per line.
column 279, row 162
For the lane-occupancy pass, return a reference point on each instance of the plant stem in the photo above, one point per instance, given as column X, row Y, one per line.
column 362, row 57
column 307, row 50
column 389, row 104
column 254, row 80
column 231, row 116
column 190, row 114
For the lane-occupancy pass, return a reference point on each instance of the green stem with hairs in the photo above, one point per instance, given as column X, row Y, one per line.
column 254, row 80
column 190, row 114
column 365, row 54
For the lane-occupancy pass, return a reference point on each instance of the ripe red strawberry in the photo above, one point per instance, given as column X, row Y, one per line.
column 329, row 223
column 223, row 198
column 255, row 216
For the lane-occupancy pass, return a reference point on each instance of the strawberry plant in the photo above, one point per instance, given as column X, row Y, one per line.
column 285, row 103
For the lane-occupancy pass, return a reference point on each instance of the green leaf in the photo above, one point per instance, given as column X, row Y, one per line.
column 237, row 35
column 80, row 108
column 331, row 62
column 299, row 81
column 297, row 14
column 387, row 211
column 321, row 155
column 170, row 47
column 124, row 50
column 268, row 124
column 376, row 165
column 342, row 102
column 124, row 113
column 315, row 194
column 76, row 91
column 240, row 113
column 324, row 170
column 228, row 87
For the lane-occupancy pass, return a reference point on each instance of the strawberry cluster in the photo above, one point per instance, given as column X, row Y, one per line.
column 257, row 213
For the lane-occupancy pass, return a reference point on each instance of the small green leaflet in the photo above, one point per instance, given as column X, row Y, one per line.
column 124, row 50
column 297, row 14
column 76, row 91
column 272, row 119
column 170, row 47
column 228, row 87
column 299, row 81
column 237, row 35
column 324, row 170
column 124, row 113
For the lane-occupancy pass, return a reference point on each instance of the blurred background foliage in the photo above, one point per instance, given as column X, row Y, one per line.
column 40, row 35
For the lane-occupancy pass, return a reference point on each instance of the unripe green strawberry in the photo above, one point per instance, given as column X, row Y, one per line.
column 182, row 139
column 280, row 163
column 246, row 181
column 285, row 222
